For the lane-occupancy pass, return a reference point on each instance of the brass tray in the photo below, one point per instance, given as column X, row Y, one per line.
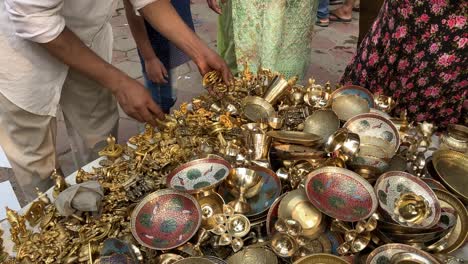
column 256, row 108
column 452, row 169
column 459, row 233
column 295, row 137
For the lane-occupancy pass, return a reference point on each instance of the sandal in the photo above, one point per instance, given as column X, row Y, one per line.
column 322, row 23
column 335, row 18
column 336, row 2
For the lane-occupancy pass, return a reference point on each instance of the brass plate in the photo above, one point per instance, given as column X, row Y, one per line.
column 256, row 108
column 459, row 234
column 295, row 137
column 321, row 259
column 452, row 168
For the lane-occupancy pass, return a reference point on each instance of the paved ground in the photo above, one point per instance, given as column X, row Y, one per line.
column 332, row 48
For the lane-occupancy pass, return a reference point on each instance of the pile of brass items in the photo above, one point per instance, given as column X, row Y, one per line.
column 264, row 168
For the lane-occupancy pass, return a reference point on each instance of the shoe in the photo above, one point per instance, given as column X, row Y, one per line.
column 322, row 23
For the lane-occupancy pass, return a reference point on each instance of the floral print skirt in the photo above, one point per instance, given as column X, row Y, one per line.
column 416, row 52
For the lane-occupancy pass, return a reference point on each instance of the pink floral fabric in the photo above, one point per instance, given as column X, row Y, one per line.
column 416, row 52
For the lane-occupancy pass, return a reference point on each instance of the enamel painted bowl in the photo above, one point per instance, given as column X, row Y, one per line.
column 198, row 175
column 165, row 219
column 341, row 194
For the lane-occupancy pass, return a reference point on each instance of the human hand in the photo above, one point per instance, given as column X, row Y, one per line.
column 210, row 61
column 156, row 71
column 136, row 101
column 213, row 4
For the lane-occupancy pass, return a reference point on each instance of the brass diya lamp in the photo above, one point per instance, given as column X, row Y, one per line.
column 356, row 239
column 230, row 228
column 244, row 183
column 412, row 208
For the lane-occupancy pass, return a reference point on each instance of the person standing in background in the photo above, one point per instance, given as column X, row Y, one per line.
column 272, row 34
column 56, row 53
column 416, row 52
column 158, row 55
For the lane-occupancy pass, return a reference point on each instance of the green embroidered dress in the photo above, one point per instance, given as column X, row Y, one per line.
column 275, row 34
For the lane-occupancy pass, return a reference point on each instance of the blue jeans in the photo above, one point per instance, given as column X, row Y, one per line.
column 323, row 11
column 162, row 94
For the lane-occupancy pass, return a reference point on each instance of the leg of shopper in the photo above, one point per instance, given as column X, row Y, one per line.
column 369, row 10
column 323, row 13
column 343, row 13
column 91, row 115
column 29, row 143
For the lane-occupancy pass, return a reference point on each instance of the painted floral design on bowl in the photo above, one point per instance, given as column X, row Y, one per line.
column 380, row 164
column 355, row 90
column 260, row 203
column 383, row 254
column 390, row 186
column 341, row 194
column 198, row 175
column 374, row 125
column 165, row 219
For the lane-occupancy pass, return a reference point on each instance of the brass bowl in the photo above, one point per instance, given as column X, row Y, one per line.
column 344, row 141
column 275, row 122
column 283, row 245
column 449, row 142
column 409, row 258
column 458, row 132
column 168, row 258
column 322, row 123
column 347, row 106
column 210, row 205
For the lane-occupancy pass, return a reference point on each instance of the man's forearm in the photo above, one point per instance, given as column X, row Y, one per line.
column 137, row 26
column 68, row 48
column 165, row 19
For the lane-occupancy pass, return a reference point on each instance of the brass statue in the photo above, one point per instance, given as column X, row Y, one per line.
column 112, row 151
column 60, row 184
column 17, row 226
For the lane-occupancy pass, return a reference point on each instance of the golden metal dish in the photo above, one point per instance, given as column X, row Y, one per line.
column 295, row 137
column 256, row 108
column 452, row 168
column 459, row 234
column 321, row 259
column 295, row 205
column 347, row 106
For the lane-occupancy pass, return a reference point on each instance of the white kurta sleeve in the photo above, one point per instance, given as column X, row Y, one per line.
column 36, row 20
column 139, row 4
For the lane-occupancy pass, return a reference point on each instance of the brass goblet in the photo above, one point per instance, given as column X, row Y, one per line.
column 243, row 181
